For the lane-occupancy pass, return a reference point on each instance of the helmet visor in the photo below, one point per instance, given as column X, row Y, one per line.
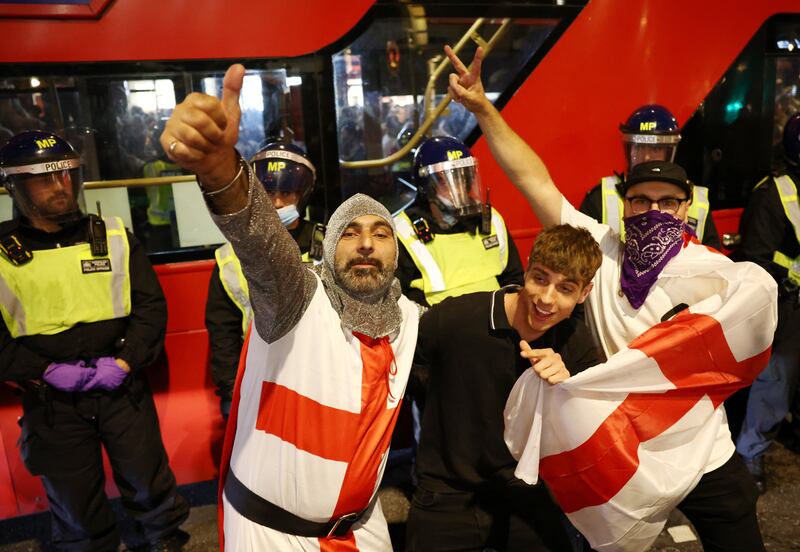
column 54, row 196
column 455, row 186
column 637, row 153
column 285, row 173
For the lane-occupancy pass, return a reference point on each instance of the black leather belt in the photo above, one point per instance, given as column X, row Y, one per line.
column 261, row 511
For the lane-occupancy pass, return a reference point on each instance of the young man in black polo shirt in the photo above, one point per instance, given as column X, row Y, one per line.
column 472, row 349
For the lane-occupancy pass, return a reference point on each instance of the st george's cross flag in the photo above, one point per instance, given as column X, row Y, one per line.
column 622, row 443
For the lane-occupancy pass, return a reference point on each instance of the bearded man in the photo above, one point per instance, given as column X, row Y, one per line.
column 326, row 361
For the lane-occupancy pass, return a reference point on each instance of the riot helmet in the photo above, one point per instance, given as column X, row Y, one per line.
column 651, row 133
column 446, row 173
column 42, row 174
column 286, row 173
column 791, row 139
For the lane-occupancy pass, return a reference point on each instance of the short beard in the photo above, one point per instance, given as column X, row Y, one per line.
column 53, row 208
column 363, row 282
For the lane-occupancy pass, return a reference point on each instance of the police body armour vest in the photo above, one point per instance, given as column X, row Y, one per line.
column 65, row 286
column 613, row 207
column 160, row 198
column 787, row 190
column 234, row 282
column 456, row 264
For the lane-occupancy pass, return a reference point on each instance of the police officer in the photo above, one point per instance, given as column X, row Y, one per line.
column 82, row 315
column 288, row 176
column 770, row 229
column 159, row 233
column 453, row 242
column 651, row 133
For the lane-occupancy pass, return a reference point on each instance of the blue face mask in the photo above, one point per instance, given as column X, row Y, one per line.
column 288, row 214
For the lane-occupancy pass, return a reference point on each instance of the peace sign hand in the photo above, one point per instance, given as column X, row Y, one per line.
column 466, row 87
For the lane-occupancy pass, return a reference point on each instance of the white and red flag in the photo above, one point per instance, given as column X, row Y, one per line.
column 621, row 444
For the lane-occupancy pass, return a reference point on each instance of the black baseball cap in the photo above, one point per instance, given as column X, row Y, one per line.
column 657, row 171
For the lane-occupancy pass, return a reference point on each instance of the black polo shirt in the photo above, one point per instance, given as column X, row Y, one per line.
column 470, row 353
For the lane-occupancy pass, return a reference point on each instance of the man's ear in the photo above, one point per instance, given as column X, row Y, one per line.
column 585, row 292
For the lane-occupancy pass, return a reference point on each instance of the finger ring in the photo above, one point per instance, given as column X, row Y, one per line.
column 172, row 146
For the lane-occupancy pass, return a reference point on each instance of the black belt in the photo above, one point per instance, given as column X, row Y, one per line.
column 261, row 511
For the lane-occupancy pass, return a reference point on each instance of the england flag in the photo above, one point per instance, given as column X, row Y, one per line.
column 621, row 444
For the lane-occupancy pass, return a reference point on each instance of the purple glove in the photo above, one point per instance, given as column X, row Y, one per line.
column 107, row 375
column 68, row 376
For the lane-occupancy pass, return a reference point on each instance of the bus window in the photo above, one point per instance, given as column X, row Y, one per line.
column 113, row 114
column 380, row 82
column 733, row 140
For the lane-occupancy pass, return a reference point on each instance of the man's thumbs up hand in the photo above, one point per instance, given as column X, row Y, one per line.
column 201, row 133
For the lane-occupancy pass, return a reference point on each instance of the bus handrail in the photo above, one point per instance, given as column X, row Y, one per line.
column 132, row 182
column 471, row 34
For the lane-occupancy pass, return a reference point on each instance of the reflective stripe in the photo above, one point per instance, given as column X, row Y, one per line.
column 651, row 138
column 44, row 168
column 782, row 260
column 502, row 237
column 787, row 190
column 612, row 204
column 118, row 251
column 791, row 265
column 160, row 198
column 234, row 282
column 419, row 253
column 443, row 166
column 698, row 210
column 10, row 303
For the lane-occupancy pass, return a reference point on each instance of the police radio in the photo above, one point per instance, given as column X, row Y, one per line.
column 17, row 253
column 97, row 236
column 315, row 250
column 423, row 230
column 486, row 216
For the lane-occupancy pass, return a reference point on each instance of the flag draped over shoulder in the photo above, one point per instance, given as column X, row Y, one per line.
column 621, row 444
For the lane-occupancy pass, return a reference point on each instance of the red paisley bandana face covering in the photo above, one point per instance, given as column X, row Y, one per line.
column 651, row 240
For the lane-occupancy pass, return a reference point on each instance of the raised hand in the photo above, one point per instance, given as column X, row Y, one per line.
column 465, row 85
column 545, row 362
column 201, row 133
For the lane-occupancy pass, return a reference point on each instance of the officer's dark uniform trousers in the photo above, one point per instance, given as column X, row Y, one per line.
column 766, row 229
column 63, row 432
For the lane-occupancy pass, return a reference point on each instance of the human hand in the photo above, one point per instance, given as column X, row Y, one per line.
column 108, row 374
column 545, row 362
column 201, row 133
column 465, row 86
column 68, row 376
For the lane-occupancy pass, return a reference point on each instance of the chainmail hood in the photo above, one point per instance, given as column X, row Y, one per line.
column 376, row 314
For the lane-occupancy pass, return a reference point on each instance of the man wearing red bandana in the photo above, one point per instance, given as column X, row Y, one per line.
column 625, row 442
